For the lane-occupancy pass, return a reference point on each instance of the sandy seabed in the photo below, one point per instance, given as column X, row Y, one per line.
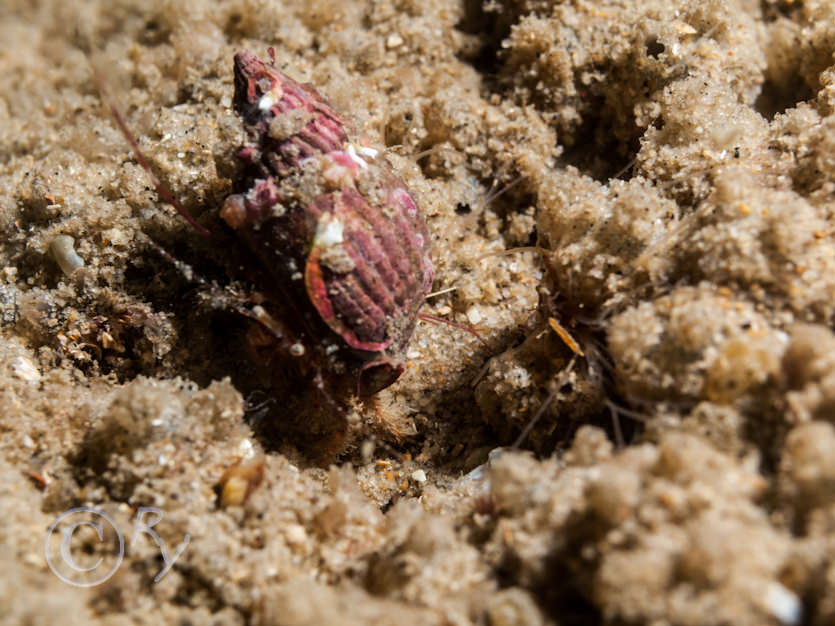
column 631, row 201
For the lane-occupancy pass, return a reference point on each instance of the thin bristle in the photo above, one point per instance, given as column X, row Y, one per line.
column 441, row 320
column 161, row 189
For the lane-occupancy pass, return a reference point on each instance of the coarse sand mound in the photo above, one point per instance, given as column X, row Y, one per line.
column 631, row 202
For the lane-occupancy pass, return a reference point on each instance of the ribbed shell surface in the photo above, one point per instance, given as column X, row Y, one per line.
column 327, row 215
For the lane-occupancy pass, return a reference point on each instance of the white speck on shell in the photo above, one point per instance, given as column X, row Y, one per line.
column 371, row 153
column 266, row 102
column 329, row 232
column 351, row 151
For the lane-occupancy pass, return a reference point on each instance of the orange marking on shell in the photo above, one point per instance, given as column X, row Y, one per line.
column 317, row 291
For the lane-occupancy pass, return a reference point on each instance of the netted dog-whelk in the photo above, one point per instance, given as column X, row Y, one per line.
column 338, row 231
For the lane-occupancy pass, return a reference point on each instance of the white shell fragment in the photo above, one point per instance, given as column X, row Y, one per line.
column 63, row 251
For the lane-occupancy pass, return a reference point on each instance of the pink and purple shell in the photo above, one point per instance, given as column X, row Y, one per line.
column 329, row 218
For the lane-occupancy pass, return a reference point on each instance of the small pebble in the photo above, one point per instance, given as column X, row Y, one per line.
column 783, row 604
column 295, row 534
column 473, row 315
column 394, row 41
column 24, row 369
